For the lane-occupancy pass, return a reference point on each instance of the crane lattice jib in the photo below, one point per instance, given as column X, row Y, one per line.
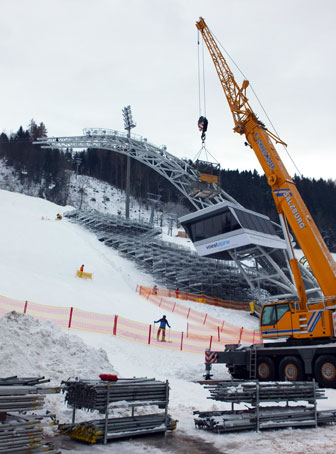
column 236, row 96
column 287, row 199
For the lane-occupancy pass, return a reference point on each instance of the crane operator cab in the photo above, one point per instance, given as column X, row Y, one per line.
column 285, row 319
column 271, row 320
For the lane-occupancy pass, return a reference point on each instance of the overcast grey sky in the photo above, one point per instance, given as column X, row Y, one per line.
column 75, row 63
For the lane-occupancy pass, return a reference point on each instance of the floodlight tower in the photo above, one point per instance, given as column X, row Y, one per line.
column 128, row 124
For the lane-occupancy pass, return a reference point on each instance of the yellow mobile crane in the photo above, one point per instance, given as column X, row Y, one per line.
column 308, row 326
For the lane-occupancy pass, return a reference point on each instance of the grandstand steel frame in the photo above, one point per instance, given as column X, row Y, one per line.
column 273, row 271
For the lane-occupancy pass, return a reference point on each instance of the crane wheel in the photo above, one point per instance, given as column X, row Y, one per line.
column 239, row 372
column 291, row 369
column 265, row 369
column 325, row 371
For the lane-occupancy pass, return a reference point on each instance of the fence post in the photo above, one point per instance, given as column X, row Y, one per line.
column 222, row 326
column 205, row 319
column 187, row 329
column 149, row 334
column 160, row 302
column 210, row 343
column 115, row 325
column 174, row 306
column 241, row 333
column 70, row 317
column 181, row 341
column 25, row 307
column 188, row 312
column 218, row 333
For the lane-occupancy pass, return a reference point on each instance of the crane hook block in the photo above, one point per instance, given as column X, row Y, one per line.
column 202, row 124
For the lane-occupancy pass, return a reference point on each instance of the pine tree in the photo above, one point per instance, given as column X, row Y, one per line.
column 33, row 130
column 42, row 130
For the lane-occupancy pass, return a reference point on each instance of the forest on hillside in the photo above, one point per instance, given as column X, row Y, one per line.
column 51, row 170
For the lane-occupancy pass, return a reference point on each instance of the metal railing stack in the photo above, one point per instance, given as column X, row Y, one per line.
column 21, row 428
column 106, row 396
column 258, row 417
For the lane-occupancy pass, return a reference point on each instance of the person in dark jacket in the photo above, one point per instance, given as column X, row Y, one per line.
column 162, row 328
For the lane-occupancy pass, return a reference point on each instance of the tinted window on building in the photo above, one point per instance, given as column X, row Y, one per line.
column 212, row 226
column 252, row 222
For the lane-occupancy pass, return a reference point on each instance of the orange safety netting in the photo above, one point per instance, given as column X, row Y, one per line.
column 202, row 321
column 227, row 304
column 204, row 333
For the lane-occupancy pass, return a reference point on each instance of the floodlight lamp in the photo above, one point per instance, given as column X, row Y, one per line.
column 128, row 119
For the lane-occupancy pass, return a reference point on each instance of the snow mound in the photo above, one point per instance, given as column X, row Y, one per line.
column 29, row 348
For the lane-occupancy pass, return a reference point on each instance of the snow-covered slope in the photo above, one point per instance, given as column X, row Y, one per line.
column 39, row 259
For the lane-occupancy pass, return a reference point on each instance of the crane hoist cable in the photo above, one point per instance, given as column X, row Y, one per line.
column 211, row 164
column 202, row 121
column 257, row 98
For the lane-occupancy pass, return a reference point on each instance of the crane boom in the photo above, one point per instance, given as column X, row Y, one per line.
column 288, row 201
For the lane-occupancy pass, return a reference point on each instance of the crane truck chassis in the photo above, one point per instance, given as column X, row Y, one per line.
column 278, row 361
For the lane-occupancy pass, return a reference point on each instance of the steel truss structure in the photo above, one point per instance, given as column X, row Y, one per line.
column 260, row 267
column 182, row 175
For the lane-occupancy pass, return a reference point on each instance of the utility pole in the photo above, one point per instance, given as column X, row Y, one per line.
column 154, row 199
column 78, row 161
column 128, row 124
column 171, row 218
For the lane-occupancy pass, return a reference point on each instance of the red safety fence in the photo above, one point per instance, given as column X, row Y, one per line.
column 224, row 334
column 204, row 299
column 202, row 321
column 9, row 304
column 203, row 333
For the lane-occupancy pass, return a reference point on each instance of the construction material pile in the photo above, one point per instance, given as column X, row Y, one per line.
column 253, row 392
column 106, row 396
column 268, row 417
column 97, row 394
column 264, row 418
column 93, row 431
column 22, row 432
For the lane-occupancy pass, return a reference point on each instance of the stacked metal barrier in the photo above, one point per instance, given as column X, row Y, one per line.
column 93, row 431
column 270, row 417
column 22, row 432
column 253, row 392
column 104, row 396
